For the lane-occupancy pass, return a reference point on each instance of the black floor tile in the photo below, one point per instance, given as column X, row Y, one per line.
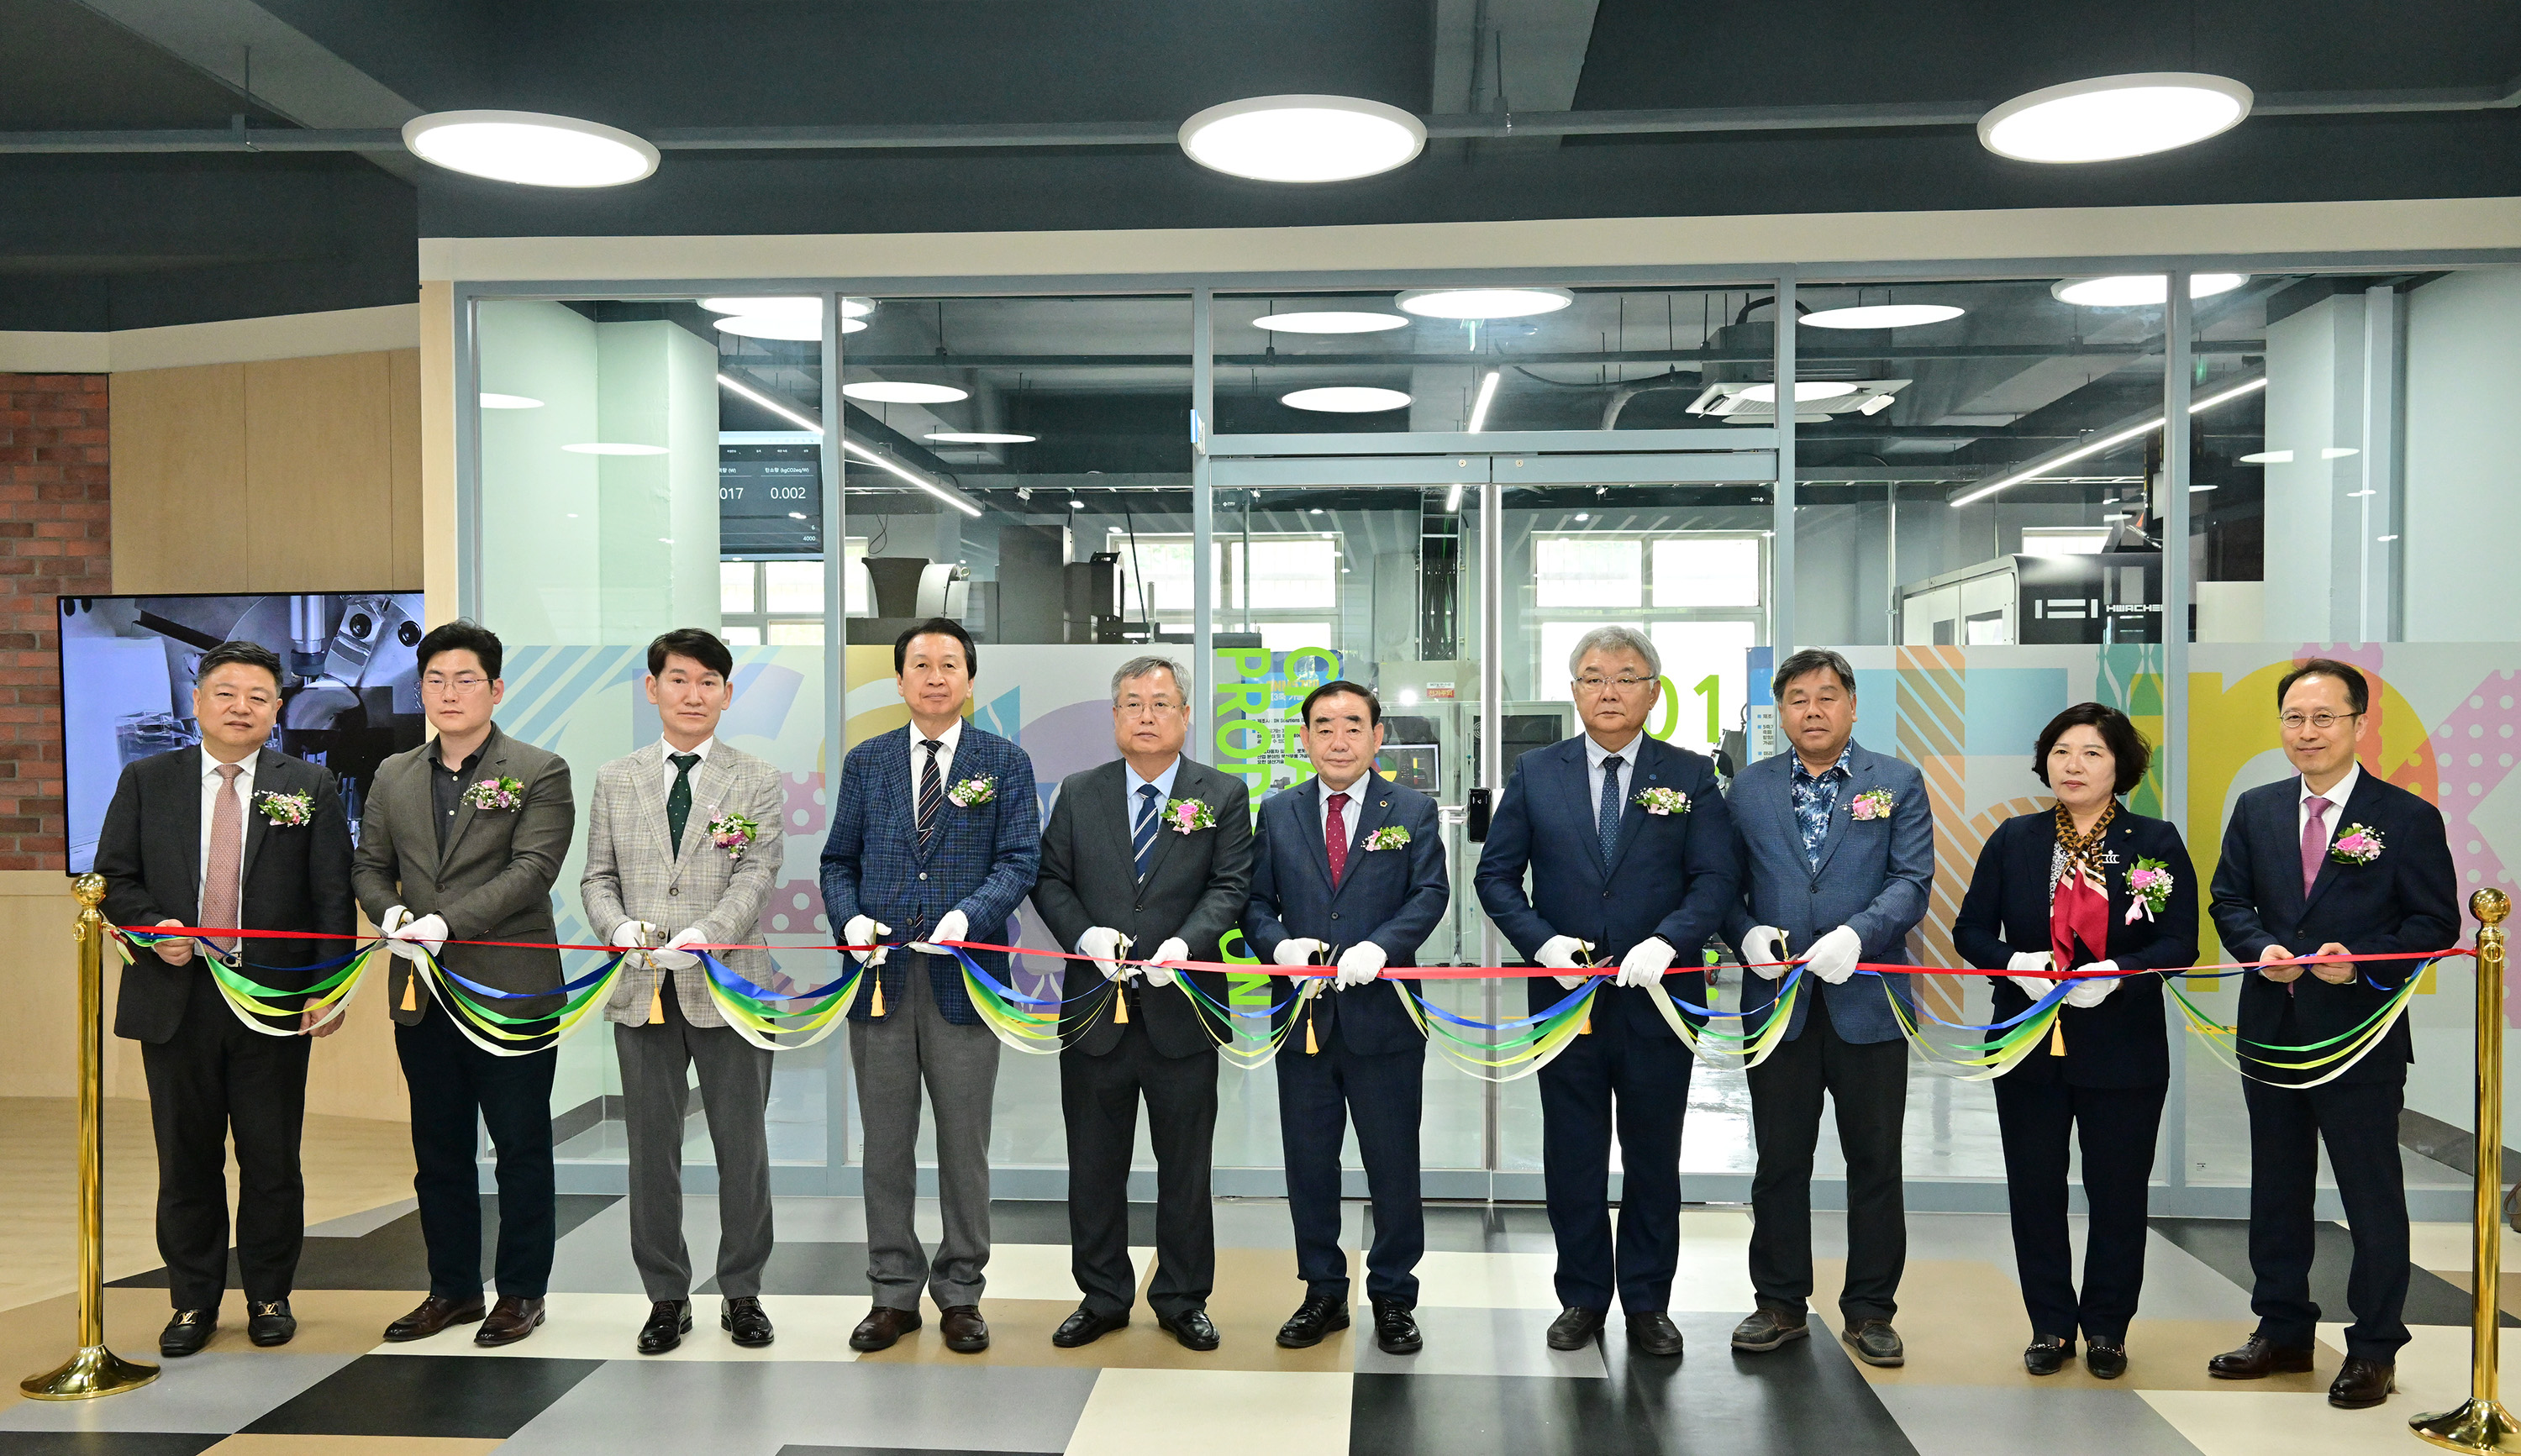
column 2223, row 1246
column 1477, row 1228
column 105, row 1442
column 394, row 1255
column 1045, row 1221
column 811, row 1269
column 444, row 1395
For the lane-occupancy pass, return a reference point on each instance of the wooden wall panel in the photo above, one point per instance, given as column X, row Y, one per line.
column 319, row 471
column 402, row 380
column 180, row 522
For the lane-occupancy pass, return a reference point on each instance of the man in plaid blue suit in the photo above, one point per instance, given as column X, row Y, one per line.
column 936, row 836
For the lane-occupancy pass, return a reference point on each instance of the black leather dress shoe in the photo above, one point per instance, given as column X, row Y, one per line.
column 187, row 1332
column 2259, row 1359
column 269, row 1322
column 965, row 1331
column 1191, row 1327
column 1768, row 1329
column 1086, row 1326
column 509, row 1320
column 1575, row 1328
column 1395, row 1329
column 1314, row 1320
column 2047, row 1356
column 1875, row 1343
column 2106, row 1359
column 2362, row 1384
column 1654, row 1334
column 433, row 1315
column 744, row 1319
column 881, row 1328
column 668, row 1321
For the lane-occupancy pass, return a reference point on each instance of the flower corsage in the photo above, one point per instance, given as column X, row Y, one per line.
column 971, row 793
column 2149, row 886
column 1872, row 803
column 734, row 834
column 2356, row 843
column 286, row 810
column 1662, row 800
column 1187, row 814
column 1389, row 837
column 496, row 793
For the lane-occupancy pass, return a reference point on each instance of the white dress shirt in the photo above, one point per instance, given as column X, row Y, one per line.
column 210, row 811
column 951, row 737
column 1130, row 784
column 1348, row 812
column 2337, row 795
column 1594, row 753
column 702, row 750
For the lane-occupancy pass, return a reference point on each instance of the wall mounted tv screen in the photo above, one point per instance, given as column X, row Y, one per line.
column 351, row 696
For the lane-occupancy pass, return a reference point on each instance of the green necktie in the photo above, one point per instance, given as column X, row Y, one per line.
column 679, row 803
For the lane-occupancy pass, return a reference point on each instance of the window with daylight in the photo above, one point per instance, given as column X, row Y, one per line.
column 780, row 602
column 1286, row 584
column 1700, row 596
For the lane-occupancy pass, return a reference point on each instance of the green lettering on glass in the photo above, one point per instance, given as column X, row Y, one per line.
column 1707, row 689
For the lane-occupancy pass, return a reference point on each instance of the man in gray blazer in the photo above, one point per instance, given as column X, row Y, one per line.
column 461, row 840
column 682, row 847
column 1837, row 848
column 1144, row 860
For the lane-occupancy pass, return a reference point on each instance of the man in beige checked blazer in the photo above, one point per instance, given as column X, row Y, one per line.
column 682, row 847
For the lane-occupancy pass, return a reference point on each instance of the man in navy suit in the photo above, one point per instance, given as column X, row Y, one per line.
column 1837, row 848
column 1630, row 853
column 935, row 836
column 1349, row 868
column 2333, row 863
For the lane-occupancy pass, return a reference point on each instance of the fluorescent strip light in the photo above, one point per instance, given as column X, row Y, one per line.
column 1453, row 498
column 2110, row 441
column 1480, row 406
column 955, row 498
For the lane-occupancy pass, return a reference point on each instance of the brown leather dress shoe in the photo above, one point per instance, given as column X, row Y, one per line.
column 2362, row 1384
column 2257, row 1360
column 511, row 1319
column 881, row 1328
column 433, row 1316
column 965, row 1331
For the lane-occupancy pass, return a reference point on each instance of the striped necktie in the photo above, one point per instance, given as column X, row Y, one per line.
column 931, row 791
column 1142, row 835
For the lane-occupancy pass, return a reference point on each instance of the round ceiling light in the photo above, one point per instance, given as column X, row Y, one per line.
column 2108, row 118
column 903, row 391
column 799, row 326
column 1882, row 316
column 531, row 148
column 1484, row 303
column 1330, row 321
column 509, row 401
column 1346, row 400
column 979, row 437
column 1303, row 138
column 811, row 307
column 613, row 449
column 1804, row 390
column 2139, row 289
column 855, row 307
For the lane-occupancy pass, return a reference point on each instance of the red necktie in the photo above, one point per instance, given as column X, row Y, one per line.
column 1335, row 839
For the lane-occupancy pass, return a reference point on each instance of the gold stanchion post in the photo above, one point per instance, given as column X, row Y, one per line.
column 2481, row 1423
column 95, row 1370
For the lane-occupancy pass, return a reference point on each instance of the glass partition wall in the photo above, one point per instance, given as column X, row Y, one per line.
column 1436, row 492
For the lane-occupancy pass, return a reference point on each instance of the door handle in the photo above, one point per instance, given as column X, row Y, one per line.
column 1478, row 827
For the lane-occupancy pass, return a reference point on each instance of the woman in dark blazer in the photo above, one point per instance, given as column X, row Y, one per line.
column 2079, row 888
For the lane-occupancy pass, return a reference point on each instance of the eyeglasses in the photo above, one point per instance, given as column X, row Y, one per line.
column 1133, row 707
column 2323, row 722
column 463, row 683
column 1623, row 684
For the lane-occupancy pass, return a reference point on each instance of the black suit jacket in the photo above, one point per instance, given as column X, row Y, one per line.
column 1195, row 890
column 2123, row 1042
column 297, row 878
column 1392, row 898
column 2405, row 900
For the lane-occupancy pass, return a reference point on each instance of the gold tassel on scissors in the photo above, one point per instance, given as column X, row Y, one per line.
column 411, row 990
column 1120, row 1004
column 876, row 1008
column 2057, row 1036
column 657, row 1004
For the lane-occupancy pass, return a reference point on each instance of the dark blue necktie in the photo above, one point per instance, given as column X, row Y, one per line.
column 1609, row 814
column 1142, row 836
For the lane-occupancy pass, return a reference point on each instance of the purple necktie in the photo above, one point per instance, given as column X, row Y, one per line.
column 2315, row 842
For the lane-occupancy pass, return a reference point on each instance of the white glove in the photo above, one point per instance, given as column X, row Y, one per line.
column 1299, row 950
column 862, row 929
column 1175, row 948
column 953, row 925
column 395, row 919
column 634, row 934
column 2093, row 992
column 429, row 932
column 1646, row 961
column 1558, row 953
column 1103, row 945
column 1360, row 964
column 1833, row 956
column 672, row 957
column 1765, row 943
column 2034, row 987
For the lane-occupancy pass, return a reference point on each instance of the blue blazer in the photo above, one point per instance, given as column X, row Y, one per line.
column 1670, row 874
column 1392, row 898
column 2406, row 899
column 2123, row 1042
column 1874, row 876
column 980, row 861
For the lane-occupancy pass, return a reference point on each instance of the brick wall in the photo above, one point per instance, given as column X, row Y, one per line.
column 53, row 525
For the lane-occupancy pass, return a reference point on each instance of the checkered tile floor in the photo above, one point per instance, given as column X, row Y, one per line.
column 1485, row 1382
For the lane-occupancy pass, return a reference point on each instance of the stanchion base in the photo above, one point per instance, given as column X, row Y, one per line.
column 92, row 1371
column 2475, row 1426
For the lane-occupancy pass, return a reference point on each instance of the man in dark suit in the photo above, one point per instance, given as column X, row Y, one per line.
column 1630, row 853
column 227, row 836
column 1349, row 868
column 1145, row 861
column 461, row 840
column 935, row 836
column 2333, row 863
